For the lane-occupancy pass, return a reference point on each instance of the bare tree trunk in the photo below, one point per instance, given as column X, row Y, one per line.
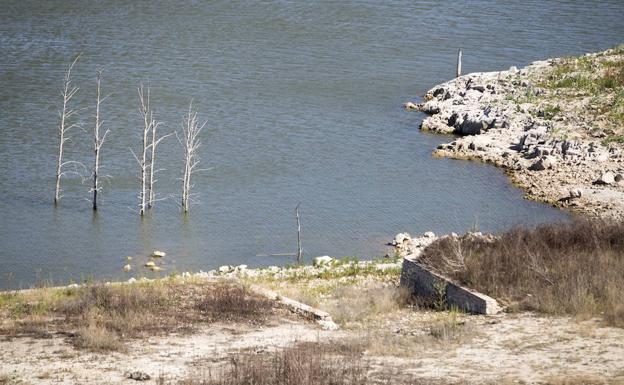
column 97, row 141
column 150, row 141
column 190, row 144
column 65, row 114
column 145, row 111
column 150, row 200
column 459, row 63
column 299, row 249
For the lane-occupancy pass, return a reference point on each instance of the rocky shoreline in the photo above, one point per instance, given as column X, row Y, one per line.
column 554, row 126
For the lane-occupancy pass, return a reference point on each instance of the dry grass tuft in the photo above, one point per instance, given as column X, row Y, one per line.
column 233, row 303
column 447, row 326
column 356, row 304
column 97, row 338
column 301, row 364
column 569, row 268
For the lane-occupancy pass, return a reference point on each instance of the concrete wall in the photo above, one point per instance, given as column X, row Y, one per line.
column 432, row 286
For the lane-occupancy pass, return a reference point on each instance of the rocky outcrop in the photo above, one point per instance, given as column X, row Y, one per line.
column 504, row 118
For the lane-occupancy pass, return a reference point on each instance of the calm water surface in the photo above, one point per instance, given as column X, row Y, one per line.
column 303, row 103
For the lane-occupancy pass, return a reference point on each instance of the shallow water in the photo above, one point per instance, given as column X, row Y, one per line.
column 303, row 101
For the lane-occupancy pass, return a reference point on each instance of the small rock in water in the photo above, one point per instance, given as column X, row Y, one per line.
column 138, row 376
column 606, row 178
column 150, row 264
column 410, row 106
column 127, row 268
column 322, row 260
column 156, row 268
column 158, row 254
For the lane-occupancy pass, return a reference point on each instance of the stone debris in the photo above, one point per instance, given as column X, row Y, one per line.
column 319, row 316
column 606, row 178
column 138, row 376
column 575, row 193
column 404, row 244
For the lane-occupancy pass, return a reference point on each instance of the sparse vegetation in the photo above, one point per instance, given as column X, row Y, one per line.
column 593, row 88
column 100, row 316
column 349, row 304
column 447, row 326
column 569, row 268
column 301, row 364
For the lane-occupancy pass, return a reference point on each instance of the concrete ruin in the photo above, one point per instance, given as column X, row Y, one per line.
column 434, row 287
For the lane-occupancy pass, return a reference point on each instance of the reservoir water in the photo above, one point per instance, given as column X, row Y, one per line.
column 303, row 103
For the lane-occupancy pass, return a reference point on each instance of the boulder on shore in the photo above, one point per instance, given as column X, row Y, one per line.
column 606, row 178
column 322, row 260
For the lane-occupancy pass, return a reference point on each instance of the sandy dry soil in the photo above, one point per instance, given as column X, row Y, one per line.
column 505, row 348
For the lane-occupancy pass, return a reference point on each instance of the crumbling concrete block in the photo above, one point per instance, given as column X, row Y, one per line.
column 424, row 283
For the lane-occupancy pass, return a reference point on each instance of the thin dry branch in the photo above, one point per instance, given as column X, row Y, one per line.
column 67, row 93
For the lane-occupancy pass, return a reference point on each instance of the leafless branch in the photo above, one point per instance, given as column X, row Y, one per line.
column 68, row 91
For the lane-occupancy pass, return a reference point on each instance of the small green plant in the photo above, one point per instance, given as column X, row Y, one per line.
column 447, row 326
column 439, row 302
column 551, row 111
column 614, row 139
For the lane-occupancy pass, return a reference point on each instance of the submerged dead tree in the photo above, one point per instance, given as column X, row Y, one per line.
column 190, row 144
column 66, row 113
column 147, row 159
column 97, row 141
column 148, row 124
